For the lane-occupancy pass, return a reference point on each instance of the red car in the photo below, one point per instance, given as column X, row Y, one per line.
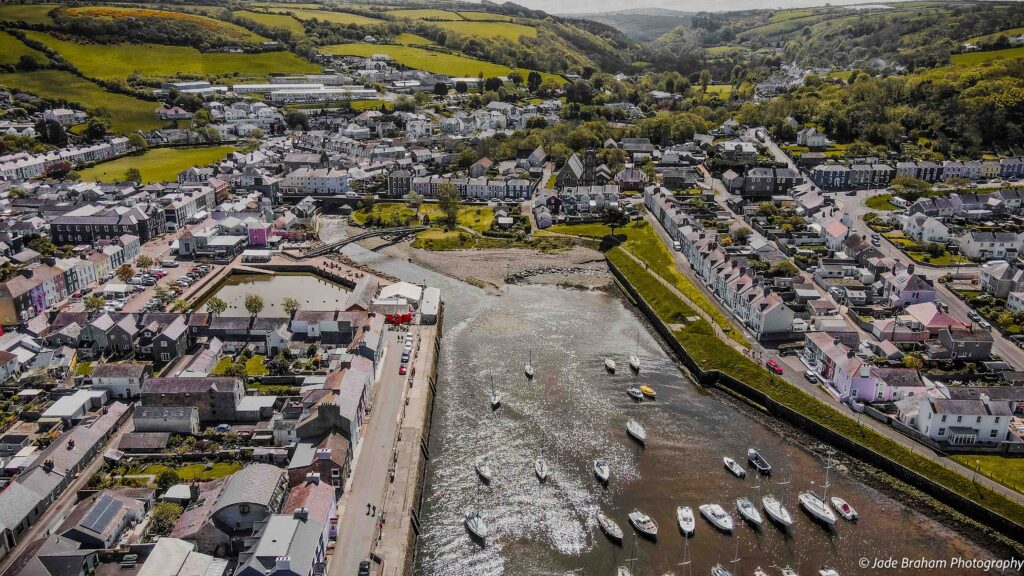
column 774, row 366
column 401, row 369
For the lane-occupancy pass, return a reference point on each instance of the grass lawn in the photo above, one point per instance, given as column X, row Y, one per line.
column 881, row 202
column 158, row 164
column 710, row 353
column 506, row 30
column 1007, row 471
column 727, row 49
column 113, row 61
column 83, row 369
column 28, row 13
column 364, row 105
column 426, row 14
column 12, row 49
column 477, row 218
column 485, row 16
column 285, row 21
column 127, row 114
column 971, row 58
column 194, row 471
column 430, row 60
column 843, row 75
column 210, row 26
column 341, row 18
column 412, row 39
column 256, row 366
column 222, row 365
column 643, row 242
column 722, row 90
column 1009, row 33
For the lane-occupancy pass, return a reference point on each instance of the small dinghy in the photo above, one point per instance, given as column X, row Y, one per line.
column 476, row 526
column 540, row 468
column 528, row 369
column 602, row 470
column 635, row 393
column 749, row 512
column 648, row 391
column 759, row 462
column 644, row 524
column 687, row 523
column 609, row 526
column 844, row 508
column 609, row 365
column 776, row 511
column 634, row 429
column 718, row 517
column 483, row 469
column 495, row 396
column 734, row 467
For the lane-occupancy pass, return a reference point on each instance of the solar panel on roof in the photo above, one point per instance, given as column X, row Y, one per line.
column 101, row 513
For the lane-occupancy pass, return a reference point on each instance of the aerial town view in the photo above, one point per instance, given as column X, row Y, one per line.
column 452, row 288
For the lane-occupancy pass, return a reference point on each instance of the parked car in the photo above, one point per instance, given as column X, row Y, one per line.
column 811, row 377
column 984, row 324
column 86, row 291
column 169, row 263
column 364, row 568
column 774, row 366
column 942, row 305
column 973, row 315
column 402, row 370
column 677, row 246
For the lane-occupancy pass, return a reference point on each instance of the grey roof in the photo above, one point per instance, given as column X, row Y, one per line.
column 970, row 407
column 189, row 385
column 254, row 484
column 284, row 535
column 16, row 502
column 125, row 370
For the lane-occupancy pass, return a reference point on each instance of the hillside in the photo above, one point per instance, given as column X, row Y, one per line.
column 641, row 24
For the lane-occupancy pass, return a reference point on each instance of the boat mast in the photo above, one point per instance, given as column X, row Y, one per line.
column 828, row 468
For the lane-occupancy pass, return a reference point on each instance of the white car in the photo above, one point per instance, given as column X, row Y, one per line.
column 984, row 324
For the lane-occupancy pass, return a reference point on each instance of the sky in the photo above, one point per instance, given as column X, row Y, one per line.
column 592, row 6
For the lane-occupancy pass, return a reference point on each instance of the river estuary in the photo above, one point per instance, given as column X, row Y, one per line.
column 577, row 412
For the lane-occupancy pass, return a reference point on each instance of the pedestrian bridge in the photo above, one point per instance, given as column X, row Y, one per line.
column 325, row 249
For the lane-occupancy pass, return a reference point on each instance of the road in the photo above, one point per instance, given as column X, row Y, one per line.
column 357, row 530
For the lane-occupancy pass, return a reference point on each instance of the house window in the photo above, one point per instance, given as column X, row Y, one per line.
column 165, row 357
column 943, row 417
column 335, row 472
column 942, row 431
column 992, row 433
column 979, row 420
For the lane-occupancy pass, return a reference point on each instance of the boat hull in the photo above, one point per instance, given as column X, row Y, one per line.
column 641, row 526
column 722, row 522
column 609, row 527
column 686, row 520
column 817, row 510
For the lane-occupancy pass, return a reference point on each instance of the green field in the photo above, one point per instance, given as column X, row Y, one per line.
column 412, row 39
column 727, row 49
column 1007, row 471
column 342, row 18
column 971, row 58
column 112, row 61
column 285, row 21
column 722, row 90
column 158, row 164
column 485, row 16
column 210, row 26
column 429, row 60
column 1009, row 33
column 127, row 114
column 505, row 30
column 28, row 13
column 426, row 14
column 12, row 49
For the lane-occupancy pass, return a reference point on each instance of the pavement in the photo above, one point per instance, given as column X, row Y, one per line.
column 371, row 479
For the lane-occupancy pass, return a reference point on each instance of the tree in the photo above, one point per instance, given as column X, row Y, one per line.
column 96, row 128
column 51, row 132
column 28, row 62
column 614, row 218
column 216, row 306
column 440, row 89
column 135, row 140
column 133, row 175
column 167, row 478
column 461, row 87
column 741, row 235
column 43, row 245
column 94, row 303
column 180, row 306
column 913, row 361
column 492, row 84
column 165, row 515
column 203, row 118
column 705, row 79
column 124, row 272
column 254, row 304
column 935, row 249
column 290, row 305
column 163, row 295
column 533, row 80
column 448, row 196
column 236, row 369
column 516, row 78
column 144, row 261
column 405, row 104
column 785, row 268
column 296, row 119
column 414, row 201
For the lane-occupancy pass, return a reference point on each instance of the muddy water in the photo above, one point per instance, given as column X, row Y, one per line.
column 575, row 412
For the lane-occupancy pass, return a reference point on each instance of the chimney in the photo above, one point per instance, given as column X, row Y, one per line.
column 835, row 340
column 193, row 490
column 283, row 564
column 313, row 477
column 301, row 514
column 851, row 353
column 910, row 269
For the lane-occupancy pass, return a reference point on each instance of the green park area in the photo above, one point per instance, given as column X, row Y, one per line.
column 284, row 21
column 157, row 164
column 478, row 218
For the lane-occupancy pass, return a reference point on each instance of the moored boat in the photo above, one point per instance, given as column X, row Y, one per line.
column 758, row 461
column 540, row 468
column 635, row 393
column 717, row 516
column 644, row 524
column 602, row 470
column 609, row 365
column 648, row 391
column 749, row 512
column 623, row 571
column 634, row 429
column 844, row 508
column 483, row 469
column 734, row 467
column 760, row 572
column 634, row 363
column 827, row 572
column 495, row 396
column 528, row 369
column 816, row 508
column 776, row 511
column 609, row 526
column 719, row 570
column 476, row 525
column 687, row 523
column 787, row 571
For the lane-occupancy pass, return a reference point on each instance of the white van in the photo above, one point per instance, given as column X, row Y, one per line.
column 169, row 263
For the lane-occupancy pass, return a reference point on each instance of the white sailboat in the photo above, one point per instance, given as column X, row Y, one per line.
column 609, row 526
column 634, row 359
column 483, row 469
column 749, row 512
column 476, row 525
column 495, row 396
column 719, row 570
column 776, row 511
column 609, row 365
column 602, row 470
column 540, row 466
column 687, row 523
column 816, row 506
column 760, row 572
column 623, row 571
column 718, row 517
column 634, row 429
column 528, row 370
